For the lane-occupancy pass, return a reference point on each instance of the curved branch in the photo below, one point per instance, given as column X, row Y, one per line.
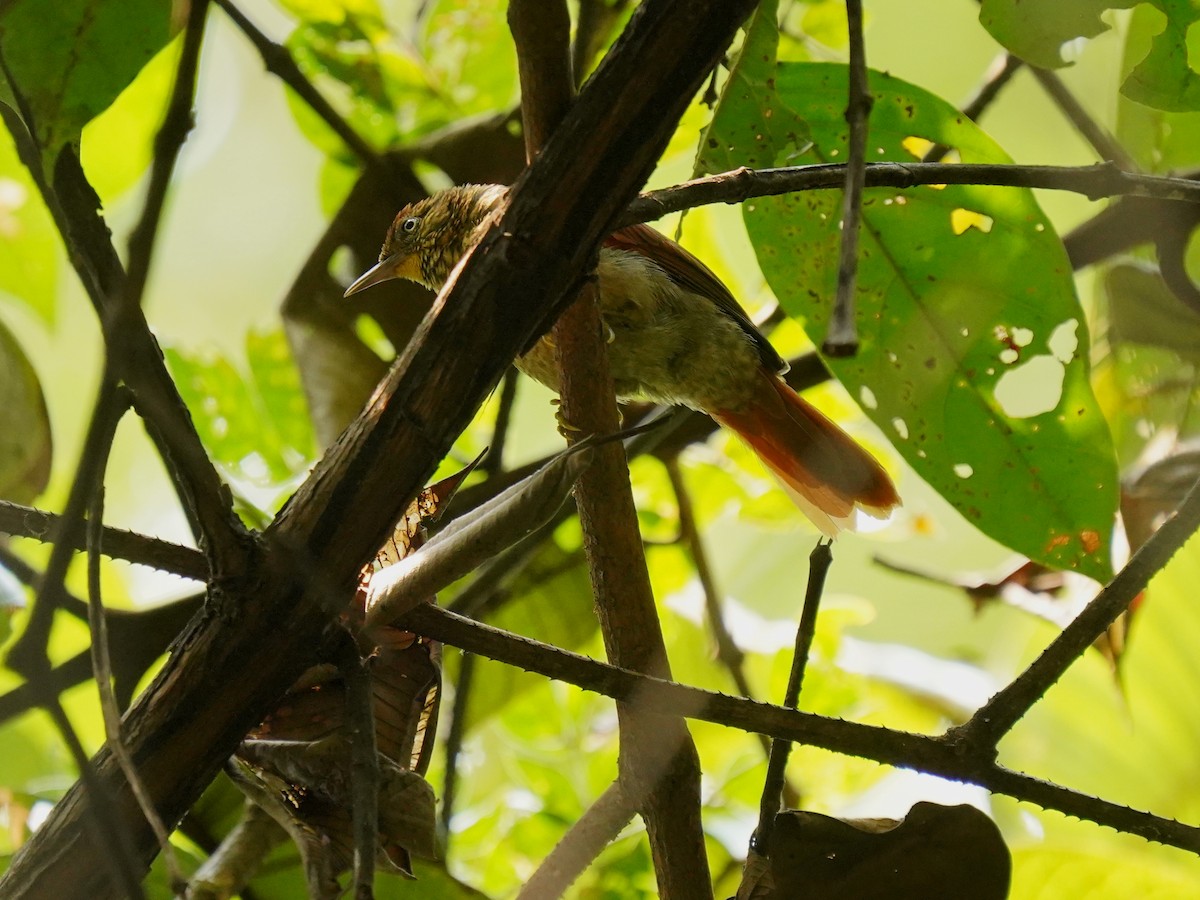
column 935, row 755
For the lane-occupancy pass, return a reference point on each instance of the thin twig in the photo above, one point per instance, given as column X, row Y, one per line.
column 934, row 755
column 28, row 655
column 842, row 336
column 818, row 567
column 998, row 75
column 103, row 672
column 997, row 717
column 120, row 856
column 584, row 841
column 364, row 766
column 494, row 461
column 279, row 63
column 1107, row 147
column 135, row 357
column 140, row 549
column 728, row 652
column 454, row 743
column 167, row 144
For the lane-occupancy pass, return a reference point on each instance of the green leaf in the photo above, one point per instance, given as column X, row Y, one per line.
column 25, row 443
column 1132, row 743
column 460, row 62
column 973, row 346
column 1164, row 79
column 255, row 424
column 1036, row 32
column 471, row 54
column 28, row 240
column 754, row 125
column 1098, row 872
column 1159, row 140
column 69, row 59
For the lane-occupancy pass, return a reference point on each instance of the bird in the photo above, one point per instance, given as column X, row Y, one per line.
column 676, row 336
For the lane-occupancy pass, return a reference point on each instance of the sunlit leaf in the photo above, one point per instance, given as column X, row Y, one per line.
column 973, row 346
column 116, row 146
column 255, row 423
column 1134, row 744
column 1098, row 872
column 28, row 242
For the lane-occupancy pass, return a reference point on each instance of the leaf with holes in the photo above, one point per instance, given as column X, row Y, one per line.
column 973, row 351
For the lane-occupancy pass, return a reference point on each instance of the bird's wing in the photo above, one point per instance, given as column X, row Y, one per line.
column 689, row 273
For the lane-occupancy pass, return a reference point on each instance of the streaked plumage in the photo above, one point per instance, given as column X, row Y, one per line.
column 678, row 337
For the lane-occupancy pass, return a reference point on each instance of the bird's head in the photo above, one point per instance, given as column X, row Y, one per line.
column 429, row 237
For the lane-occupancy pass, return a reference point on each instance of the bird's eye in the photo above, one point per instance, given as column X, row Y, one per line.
column 409, row 225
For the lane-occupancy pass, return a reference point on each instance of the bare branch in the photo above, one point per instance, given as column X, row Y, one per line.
column 584, row 841
column 842, row 336
column 1094, row 182
column 818, row 567
column 935, row 755
column 1107, row 147
column 997, row 717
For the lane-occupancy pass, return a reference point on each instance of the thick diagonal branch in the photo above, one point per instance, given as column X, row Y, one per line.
column 231, row 667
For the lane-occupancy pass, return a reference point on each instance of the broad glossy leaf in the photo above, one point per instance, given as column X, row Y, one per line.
column 69, row 59
column 973, row 354
column 117, row 145
column 1159, row 140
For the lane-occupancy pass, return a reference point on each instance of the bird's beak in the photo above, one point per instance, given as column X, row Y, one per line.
column 384, row 270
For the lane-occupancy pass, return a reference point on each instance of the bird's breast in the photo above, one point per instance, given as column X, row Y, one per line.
column 666, row 344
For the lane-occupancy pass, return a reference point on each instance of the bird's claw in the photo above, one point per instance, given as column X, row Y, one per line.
column 572, row 433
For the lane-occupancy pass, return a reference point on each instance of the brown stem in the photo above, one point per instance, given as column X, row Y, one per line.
column 842, row 337
column 541, row 30
column 818, row 567
column 1107, row 147
column 658, row 763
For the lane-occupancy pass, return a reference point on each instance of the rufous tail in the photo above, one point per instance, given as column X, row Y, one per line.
column 822, row 468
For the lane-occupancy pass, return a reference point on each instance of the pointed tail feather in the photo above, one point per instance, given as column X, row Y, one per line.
column 822, row 468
